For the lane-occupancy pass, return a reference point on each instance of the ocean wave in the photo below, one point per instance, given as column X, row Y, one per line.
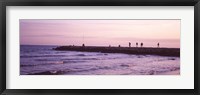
column 32, row 56
column 80, row 55
column 59, row 72
column 48, row 62
column 75, row 61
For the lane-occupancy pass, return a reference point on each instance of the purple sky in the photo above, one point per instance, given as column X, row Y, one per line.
column 100, row 32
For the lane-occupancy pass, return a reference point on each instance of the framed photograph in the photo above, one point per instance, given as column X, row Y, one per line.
column 138, row 47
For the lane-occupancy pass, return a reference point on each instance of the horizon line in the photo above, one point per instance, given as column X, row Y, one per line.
column 99, row 46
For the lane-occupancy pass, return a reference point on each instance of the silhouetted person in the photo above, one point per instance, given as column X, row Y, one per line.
column 119, row 46
column 129, row 44
column 158, row 45
column 137, row 44
column 83, row 45
column 141, row 44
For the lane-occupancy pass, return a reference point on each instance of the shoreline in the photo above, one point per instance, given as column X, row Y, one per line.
column 176, row 72
column 173, row 52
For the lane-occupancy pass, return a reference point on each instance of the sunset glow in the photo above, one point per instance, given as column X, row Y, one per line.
column 100, row 32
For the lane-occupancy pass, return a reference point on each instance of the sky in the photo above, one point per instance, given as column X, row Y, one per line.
column 100, row 32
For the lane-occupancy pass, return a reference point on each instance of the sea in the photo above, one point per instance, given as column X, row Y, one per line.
column 43, row 60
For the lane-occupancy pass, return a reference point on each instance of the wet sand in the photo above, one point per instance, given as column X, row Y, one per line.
column 176, row 72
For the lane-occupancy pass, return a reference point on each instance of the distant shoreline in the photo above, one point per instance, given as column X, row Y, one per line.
column 173, row 52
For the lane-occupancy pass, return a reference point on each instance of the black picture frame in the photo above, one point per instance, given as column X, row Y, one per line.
column 4, row 3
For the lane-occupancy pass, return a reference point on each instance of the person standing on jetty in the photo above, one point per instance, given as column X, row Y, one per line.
column 141, row 44
column 158, row 45
column 136, row 44
column 129, row 44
